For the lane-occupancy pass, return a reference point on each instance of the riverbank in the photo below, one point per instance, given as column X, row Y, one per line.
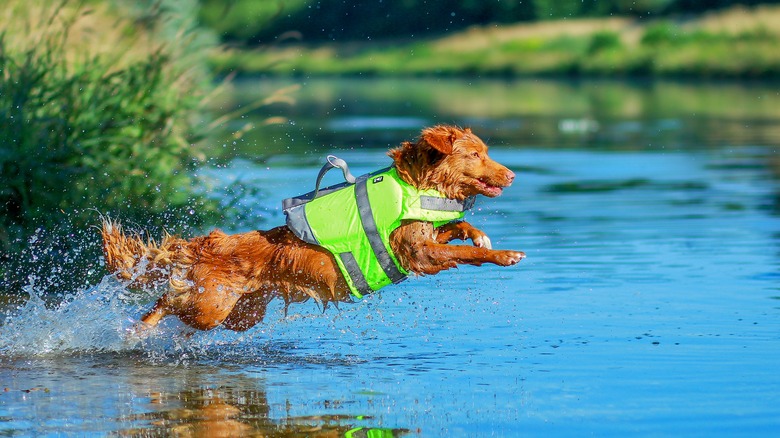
column 735, row 43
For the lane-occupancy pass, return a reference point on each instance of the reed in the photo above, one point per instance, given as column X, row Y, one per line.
column 97, row 113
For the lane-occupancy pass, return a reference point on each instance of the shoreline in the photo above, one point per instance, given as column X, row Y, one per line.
column 738, row 43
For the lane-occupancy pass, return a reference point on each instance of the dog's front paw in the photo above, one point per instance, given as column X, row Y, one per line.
column 509, row 258
column 483, row 241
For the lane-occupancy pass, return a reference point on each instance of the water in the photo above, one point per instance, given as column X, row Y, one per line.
column 648, row 304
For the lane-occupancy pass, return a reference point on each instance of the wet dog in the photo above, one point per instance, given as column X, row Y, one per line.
column 228, row 280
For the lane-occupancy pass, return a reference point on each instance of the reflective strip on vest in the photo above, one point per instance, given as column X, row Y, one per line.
column 381, row 253
column 354, row 223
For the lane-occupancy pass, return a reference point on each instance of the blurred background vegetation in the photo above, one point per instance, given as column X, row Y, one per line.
column 258, row 21
column 106, row 107
column 669, row 38
column 101, row 112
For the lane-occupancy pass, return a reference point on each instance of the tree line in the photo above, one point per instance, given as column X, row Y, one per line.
column 254, row 22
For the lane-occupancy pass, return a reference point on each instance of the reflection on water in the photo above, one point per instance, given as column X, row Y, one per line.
column 647, row 305
column 223, row 412
column 144, row 400
column 658, row 115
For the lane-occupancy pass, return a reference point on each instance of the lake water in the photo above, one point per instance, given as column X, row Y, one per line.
column 649, row 303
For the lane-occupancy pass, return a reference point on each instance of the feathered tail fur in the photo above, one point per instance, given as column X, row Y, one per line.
column 145, row 264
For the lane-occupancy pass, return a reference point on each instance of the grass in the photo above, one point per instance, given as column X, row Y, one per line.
column 97, row 113
column 736, row 43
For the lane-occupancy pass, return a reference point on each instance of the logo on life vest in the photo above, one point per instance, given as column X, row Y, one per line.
column 378, row 179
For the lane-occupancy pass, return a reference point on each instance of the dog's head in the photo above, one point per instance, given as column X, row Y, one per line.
column 453, row 161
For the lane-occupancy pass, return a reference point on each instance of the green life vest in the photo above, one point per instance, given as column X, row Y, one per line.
column 354, row 220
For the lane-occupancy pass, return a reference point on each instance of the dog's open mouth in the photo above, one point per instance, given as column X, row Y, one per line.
column 488, row 189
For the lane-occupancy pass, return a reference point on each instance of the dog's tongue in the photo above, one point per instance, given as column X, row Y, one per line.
column 494, row 190
column 489, row 189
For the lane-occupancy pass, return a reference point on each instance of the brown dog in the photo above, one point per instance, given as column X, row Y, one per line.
column 228, row 280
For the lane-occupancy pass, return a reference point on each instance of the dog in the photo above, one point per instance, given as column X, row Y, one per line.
column 222, row 280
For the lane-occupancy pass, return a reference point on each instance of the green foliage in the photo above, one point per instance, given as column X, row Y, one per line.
column 659, row 33
column 92, row 133
column 87, row 137
column 565, row 43
column 259, row 21
column 557, row 9
column 244, row 19
column 732, row 44
column 604, row 40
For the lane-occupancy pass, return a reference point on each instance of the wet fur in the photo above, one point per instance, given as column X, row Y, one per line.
column 228, row 280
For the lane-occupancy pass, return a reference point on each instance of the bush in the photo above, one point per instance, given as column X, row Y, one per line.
column 604, row 40
column 659, row 33
column 114, row 132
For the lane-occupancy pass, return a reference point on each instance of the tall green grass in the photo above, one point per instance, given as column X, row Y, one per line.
column 87, row 130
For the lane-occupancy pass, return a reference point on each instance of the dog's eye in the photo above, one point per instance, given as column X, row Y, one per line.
column 475, row 154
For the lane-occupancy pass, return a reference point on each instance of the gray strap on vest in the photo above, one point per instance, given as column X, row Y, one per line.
column 333, row 163
column 446, row 204
column 355, row 273
column 370, row 228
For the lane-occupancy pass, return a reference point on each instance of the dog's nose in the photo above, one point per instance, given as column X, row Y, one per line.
column 510, row 176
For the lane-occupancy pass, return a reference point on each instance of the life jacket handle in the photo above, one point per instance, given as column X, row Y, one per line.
column 333, row 162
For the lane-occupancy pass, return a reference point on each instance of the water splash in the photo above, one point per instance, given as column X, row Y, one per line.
column 99, row 320
column 93, row 319
column 96, row 319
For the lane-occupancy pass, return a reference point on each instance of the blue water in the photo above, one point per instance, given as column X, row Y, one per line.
column 649, row 304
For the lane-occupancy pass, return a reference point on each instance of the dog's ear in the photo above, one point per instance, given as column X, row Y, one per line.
column 441, row 137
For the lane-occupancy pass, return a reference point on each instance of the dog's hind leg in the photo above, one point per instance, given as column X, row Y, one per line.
column 248, row 311
column 153, row 316
column 142, row 328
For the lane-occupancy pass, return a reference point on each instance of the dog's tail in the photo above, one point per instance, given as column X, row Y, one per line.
column 145, row 264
